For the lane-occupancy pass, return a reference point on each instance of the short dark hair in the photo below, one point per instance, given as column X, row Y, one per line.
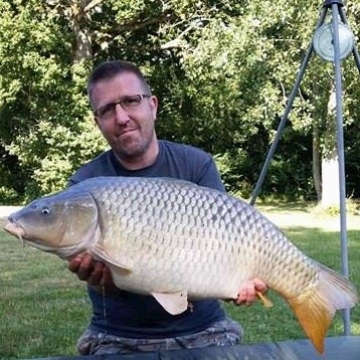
column 109, row 69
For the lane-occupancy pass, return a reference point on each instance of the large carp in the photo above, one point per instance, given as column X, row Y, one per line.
column 178, row 241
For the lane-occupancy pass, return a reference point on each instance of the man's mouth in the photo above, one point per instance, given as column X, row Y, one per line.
column 126, row 132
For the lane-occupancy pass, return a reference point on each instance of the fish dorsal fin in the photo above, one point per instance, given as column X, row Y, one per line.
column 173, row 303
column 100, row 253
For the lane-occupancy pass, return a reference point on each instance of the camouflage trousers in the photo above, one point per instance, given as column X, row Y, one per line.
column 222, row 333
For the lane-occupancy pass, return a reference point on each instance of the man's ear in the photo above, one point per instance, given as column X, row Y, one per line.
column 154, row 105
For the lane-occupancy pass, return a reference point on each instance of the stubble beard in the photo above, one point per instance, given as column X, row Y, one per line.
column 134, row 149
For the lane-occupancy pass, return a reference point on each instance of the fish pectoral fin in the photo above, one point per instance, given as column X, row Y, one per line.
column 101, row 254
column 173, row 303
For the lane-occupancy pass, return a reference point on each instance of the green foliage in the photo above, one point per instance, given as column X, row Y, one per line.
column 8, row 195
column 12, row 186
column 66, row 150
column 43, row 107
column 223, row 72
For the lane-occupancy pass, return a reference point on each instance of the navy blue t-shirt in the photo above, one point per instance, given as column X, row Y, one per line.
column 129, row 315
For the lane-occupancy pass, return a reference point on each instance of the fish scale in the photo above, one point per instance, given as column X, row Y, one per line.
column 178, row 214
column 176, row 241
column 178, row 227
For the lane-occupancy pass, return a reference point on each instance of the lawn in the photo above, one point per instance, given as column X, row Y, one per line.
column 44, row 308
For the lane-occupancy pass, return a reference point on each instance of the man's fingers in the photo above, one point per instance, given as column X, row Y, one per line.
column 247, row 294
column 259, row 285
column 249, row 291
column 85, row 268
column 75, row 263
column 106, row 279
column 90, row 270
column 96, row 274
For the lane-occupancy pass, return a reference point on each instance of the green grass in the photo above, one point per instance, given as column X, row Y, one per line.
column 44, row 308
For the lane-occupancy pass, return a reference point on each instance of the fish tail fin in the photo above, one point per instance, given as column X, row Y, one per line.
column 316, row 308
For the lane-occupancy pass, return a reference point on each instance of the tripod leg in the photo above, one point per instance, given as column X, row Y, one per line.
column 355, row 50
column 284, row 117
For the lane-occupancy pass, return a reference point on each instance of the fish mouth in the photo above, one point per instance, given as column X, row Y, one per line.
column 14, row 228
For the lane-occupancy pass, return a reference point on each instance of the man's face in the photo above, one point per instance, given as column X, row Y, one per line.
column 127, row 126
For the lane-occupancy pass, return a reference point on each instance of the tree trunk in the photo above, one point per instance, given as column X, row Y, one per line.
column 79, row 14
column 316, row 161
column 330, row 162
column 79, row 21
column 330, row 182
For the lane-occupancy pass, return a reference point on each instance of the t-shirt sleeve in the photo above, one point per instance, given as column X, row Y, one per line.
column 100, row 166
column 208, row 174
column 82, row 174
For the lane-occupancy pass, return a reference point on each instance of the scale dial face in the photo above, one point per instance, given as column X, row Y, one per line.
column 324, row 41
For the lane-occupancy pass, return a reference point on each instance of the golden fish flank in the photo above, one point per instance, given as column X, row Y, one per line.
column 175, row 240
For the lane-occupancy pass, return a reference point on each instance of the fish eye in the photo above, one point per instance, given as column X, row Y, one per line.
column 45, row 210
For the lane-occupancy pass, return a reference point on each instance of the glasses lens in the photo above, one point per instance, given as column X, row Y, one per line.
column 105, row 112
column 129, row 102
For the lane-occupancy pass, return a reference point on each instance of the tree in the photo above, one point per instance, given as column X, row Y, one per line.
column 253, row 60
column 40, row 82
column 52, row 48
column 223, row 72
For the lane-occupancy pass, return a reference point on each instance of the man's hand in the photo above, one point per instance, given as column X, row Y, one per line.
column 87, row 269
column 250, row 290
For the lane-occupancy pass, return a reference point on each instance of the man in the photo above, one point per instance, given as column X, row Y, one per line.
column 125, row 112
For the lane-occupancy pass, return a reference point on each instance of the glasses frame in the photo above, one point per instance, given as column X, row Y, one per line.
column 112, row 105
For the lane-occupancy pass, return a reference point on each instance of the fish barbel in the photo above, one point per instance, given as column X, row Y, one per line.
column 177, row 241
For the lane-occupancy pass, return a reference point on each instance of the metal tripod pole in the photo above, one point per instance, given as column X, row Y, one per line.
column 340, row 146
column 337, row 10
column 341, row 159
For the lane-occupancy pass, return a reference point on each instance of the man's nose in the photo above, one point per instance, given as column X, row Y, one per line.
column 121, row 115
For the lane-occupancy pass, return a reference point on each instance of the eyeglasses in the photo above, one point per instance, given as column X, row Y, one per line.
column 128, row 103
